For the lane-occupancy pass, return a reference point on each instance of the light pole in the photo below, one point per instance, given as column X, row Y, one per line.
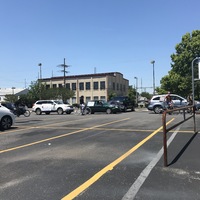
column 136, row 89
column 197, row 58
column 152, row 62
column 13, row 90
column 40, row 65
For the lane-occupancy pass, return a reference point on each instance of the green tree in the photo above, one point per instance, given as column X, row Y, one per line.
column 10, row 98
column 132, row 93
column 146, row 94
column 179, row 78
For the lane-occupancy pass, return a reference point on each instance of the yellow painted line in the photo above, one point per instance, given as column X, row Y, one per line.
column 42, row 126
column 109, row 167
column 59, row 136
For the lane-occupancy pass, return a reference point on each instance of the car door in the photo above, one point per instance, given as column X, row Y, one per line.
column 99, row 106
column 178, row 101
column 46, row 106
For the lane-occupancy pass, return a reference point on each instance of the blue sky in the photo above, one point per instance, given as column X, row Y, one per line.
column 92, row 35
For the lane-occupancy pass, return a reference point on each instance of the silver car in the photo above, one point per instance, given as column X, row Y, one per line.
column 157, row 102
column 7, row 118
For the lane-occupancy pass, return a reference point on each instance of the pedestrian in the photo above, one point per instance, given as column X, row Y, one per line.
column 190, row 103
column 168, row 100
column 82, row 104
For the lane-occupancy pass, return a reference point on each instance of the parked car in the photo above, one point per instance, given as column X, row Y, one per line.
column 48, row 106
column 7, row 118
column 126, row 103
column 197, row 105
column 157, row 103
column 102, row 106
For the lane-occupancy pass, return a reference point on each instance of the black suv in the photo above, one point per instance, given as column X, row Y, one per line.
column 125, row 102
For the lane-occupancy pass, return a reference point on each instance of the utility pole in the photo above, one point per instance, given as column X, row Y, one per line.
column 64, row 66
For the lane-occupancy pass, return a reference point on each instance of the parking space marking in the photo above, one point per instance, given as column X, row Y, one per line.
column 42, row 126
column 60, row 136
column 109, row 167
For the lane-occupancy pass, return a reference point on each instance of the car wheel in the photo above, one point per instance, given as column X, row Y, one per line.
column 6, row 122
column 108, row 111
column 38, row 111
column 60, row 111
column 158, row 109
column 68, row 112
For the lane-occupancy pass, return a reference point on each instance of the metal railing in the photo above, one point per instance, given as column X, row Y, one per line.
column 167, row 129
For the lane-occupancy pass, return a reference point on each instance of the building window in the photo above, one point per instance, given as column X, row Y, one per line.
column 96, row 85
column 96, row 98
column 87, row 85
column 88, row 99
column 68, row 86
column 81, row 86
column 73, row 86
column 47, row 86
column 117, row 86
column 60, row 85
column 102, row 85
column 113, row 86
column 102, row 97
column 74, row 100
column 54, row 86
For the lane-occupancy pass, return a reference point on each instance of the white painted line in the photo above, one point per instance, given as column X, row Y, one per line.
column 130, row 195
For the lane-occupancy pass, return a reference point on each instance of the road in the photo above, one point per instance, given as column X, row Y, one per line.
column 100, row 156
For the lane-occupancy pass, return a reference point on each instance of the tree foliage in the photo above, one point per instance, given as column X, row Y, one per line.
column 179, row 78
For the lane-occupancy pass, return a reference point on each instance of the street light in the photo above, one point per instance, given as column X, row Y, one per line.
column 13, row 90
column 152, row 62
column 197, row 58
column 40, row 65
column 136, row 88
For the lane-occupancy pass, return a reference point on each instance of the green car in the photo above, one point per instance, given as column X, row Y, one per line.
column 102, row 106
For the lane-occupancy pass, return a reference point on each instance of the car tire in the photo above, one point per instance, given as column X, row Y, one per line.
column 108, row 111
column 38, row 111
column 68, row 112
column 6, row 122
column 158, row 109
column 60, row 111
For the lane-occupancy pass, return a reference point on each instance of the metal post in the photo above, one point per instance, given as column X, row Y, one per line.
column 40, row 65
column 152, row 62
column 197, row 58
column 136, row 89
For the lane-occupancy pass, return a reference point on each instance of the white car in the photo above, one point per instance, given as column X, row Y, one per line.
column 7, row 118
column 48, row 106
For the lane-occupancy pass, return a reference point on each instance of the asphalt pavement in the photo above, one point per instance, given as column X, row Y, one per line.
column 180, row 179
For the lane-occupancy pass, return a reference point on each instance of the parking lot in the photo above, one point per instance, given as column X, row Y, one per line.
column 99, row 156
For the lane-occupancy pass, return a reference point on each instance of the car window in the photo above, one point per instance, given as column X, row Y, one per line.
column 156, row 98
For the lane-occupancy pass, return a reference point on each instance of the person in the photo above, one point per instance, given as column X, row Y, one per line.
column 168, row 101
column 190, row 103
column 82, row 104
column 20, row 107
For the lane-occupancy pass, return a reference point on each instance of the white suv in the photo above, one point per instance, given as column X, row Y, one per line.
column 157, row 103
column 48, row 106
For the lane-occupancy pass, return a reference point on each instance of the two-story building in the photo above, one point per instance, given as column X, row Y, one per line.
column 91, row 86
